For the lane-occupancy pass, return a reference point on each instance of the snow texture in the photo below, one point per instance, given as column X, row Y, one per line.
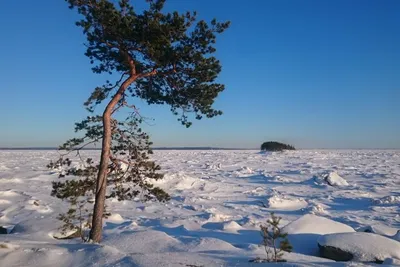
column 305, row 231
column 334, row 179
column 219, row 199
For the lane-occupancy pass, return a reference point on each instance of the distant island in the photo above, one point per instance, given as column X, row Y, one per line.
column 276, row 146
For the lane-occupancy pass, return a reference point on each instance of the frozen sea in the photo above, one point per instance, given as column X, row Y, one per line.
column 219, row 199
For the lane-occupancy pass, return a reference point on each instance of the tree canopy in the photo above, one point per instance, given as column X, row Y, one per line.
column 161, row 58
column 170, row 55
column 276, row 146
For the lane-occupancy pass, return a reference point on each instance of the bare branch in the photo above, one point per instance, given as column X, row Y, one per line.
column 78, row 148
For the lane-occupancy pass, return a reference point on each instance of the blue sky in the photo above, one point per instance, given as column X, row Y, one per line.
column 317, row 74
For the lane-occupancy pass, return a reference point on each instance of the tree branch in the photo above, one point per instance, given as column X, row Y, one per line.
column 155, row 72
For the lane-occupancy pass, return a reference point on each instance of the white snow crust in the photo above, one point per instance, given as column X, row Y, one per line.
column 334, row 179
column 219, row 199
column 367, row 247
column 305, row 232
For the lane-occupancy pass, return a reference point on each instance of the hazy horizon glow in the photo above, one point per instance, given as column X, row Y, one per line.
column 315, row 74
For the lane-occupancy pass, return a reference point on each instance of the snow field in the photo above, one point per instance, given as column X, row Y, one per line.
column 219, row 199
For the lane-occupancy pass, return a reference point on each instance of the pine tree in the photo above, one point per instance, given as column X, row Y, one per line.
column 271, row 233
column 162, row 58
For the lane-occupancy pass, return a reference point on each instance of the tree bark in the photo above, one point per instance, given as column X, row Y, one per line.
column 101, row 183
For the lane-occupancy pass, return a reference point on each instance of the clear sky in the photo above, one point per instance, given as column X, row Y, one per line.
column 316, row 74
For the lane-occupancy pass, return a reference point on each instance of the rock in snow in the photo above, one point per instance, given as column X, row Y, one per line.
column 6, row 229
column 391, row 262
column 334, row 253
column 358, row 246
column 305, row 232
column 3, row 231
column 334, row 179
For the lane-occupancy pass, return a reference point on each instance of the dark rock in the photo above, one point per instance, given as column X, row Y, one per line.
column 3, row 231
column 358, row 246
column 334, row 253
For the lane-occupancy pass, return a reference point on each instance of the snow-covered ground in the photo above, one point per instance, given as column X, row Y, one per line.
column 219, row 198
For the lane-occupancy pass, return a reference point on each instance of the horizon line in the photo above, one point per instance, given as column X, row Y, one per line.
column 195, row 148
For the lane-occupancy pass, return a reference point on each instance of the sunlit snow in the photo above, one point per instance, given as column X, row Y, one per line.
column 219, row 199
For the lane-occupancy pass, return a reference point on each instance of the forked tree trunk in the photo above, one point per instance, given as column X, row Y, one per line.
column 101, row 183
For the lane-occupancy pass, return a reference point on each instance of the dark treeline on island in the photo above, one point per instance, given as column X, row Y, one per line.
column 276, row 146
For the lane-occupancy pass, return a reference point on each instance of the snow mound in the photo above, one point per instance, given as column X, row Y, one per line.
column 216, row 216
column 304, row 232
column 258, row 191
column 65, row 234
column 178, row 181
column 4, row 202
column 231, row 226
column 4, row 168
column 12, row 180
column 285, row 203
column 363, row 246
column 34, row 204
column 379, row 229
column 213, row 166
column 243, row 172
column 317, row 208
column 388, row 200
column 115, row 218
column 313, row 224
column 334, row 179
column 143, row 242
column 285, row 179
column 9, row 193
column 210, row 244
column 246, row 169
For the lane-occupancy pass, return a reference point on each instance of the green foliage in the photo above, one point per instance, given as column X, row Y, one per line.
column 161, row 58
column 130, row 171
column 276, row 146
column 170, row 54
column 271, row 233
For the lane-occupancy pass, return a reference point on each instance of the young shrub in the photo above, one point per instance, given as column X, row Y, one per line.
column 271, row 234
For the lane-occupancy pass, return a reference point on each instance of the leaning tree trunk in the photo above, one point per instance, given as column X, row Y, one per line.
column 101, row 183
